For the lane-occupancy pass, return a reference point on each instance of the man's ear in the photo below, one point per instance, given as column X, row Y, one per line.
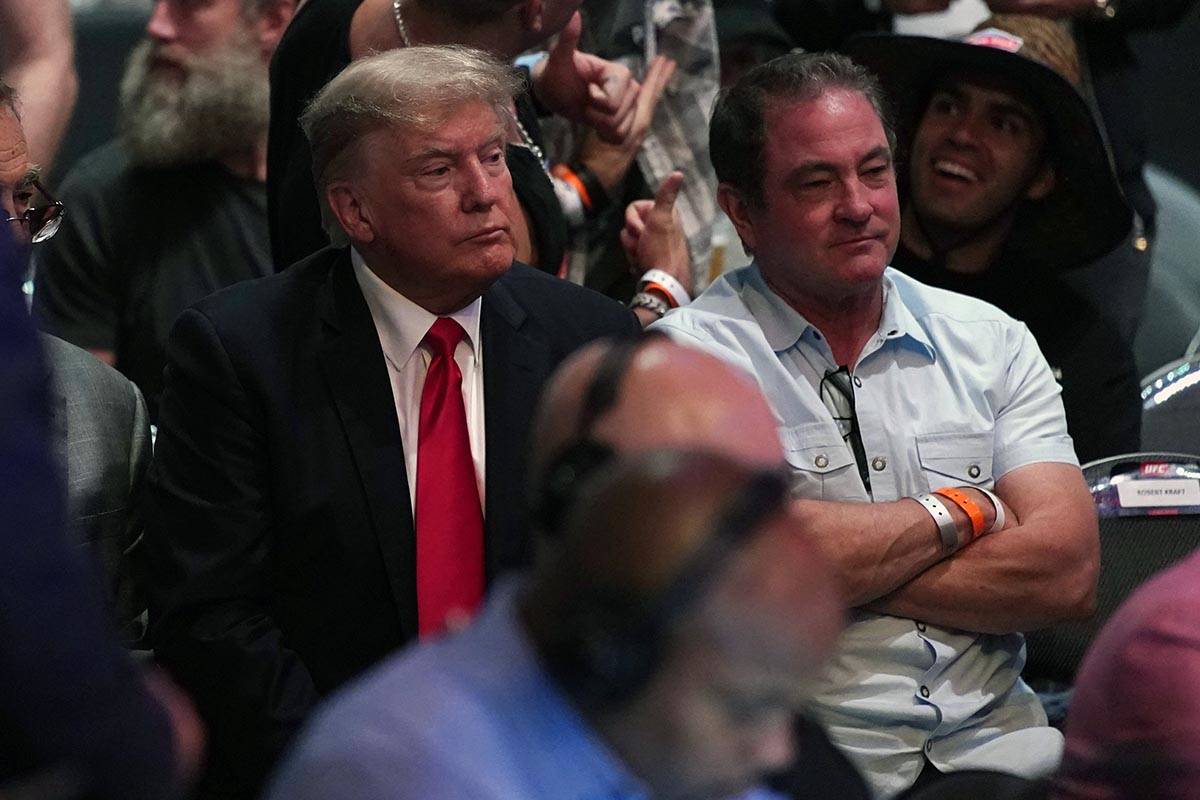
column 349, row 211
column 272, row 21
column 1043, row 182
column 734, row 204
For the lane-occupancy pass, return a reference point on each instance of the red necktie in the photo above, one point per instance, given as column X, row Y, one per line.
column 448, row 517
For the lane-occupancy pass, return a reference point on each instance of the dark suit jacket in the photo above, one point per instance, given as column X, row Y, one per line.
column 279, row 554
column 101, row 432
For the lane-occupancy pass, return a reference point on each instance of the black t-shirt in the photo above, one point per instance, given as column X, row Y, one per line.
column 315, row 48
column 1100, row 389
column 137, row 247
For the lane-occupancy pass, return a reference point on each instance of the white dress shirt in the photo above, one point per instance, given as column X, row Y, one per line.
column 401, row 325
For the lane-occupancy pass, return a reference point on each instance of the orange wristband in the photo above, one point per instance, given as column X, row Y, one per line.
column 563, row 172
column 651, row 286
column 969, row 507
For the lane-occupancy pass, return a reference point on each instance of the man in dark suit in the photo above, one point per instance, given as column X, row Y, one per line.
column 339, row 464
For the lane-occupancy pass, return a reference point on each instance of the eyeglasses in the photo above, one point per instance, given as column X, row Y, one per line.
column 838, row 396
column 43, row 221
column 837, row 393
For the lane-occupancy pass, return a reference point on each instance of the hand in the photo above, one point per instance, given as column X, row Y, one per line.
column 653, row 234
column 609, row 162
column 186, row 726
column 916, row 6
column 1055, row 9
column 585, row 88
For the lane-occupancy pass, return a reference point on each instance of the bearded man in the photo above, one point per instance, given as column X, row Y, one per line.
column 175, row 207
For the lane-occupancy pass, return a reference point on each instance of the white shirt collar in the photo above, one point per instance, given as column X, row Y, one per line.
column 401, row 323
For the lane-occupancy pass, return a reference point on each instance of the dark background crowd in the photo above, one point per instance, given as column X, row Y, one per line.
column 543, row 399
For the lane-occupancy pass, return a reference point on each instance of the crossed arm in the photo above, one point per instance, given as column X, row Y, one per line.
column 1039, row 569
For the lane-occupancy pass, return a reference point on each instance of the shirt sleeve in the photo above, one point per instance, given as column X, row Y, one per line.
column 371, row 765
column 1030, row 424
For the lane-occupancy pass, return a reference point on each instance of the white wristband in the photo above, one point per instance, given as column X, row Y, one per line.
column 999, row 506
column 947, row 529
column 668, row 282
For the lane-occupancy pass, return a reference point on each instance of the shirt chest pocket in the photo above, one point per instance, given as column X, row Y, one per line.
column 955, row 459
column 820, row 464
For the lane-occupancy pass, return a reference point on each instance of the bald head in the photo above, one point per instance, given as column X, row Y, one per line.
column 697, row 561
column 670, row 396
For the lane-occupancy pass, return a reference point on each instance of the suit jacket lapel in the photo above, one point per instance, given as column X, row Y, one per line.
column 356, row 372
column 515, row 366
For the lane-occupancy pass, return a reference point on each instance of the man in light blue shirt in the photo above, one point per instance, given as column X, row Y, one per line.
column 659, row 652
column 887, row 391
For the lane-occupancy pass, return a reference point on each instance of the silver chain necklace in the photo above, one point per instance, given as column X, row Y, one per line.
column 530, row 143
column 526, row 139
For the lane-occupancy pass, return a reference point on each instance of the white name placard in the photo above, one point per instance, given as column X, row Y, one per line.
column 1159, row 493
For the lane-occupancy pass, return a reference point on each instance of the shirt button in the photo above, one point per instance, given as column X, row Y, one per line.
column 924, row 691
column 879, row 463
column 858, row 381
column 921, row 627
column 821, row 461
column 929, row 746
column 973, row 470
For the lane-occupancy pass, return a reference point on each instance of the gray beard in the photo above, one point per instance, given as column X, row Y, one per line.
column 220, row 108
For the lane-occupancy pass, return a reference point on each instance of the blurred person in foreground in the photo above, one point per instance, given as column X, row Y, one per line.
column 614, row 399
column 339, row 465
column 76, row 719
column 1133, row 730
column 1008, row 187
column 661, row 651
column 174, row 208
column 923, row 431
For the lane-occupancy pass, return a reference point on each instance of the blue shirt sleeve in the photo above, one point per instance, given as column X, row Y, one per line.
column 1031, row 426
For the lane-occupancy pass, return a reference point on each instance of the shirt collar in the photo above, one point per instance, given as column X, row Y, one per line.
column 898, row 321
column 401, row 323
column 783, row 325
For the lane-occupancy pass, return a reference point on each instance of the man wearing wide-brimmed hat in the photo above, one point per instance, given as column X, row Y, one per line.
column 1009, row 184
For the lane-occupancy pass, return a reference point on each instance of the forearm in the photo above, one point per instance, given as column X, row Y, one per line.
column 39, row 62
column 1018, row 580
column 877, row 547
column 47, row 86
column 253, row 693
column 1039, row 570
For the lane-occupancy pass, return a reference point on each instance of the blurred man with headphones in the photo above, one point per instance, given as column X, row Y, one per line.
column 656, row 652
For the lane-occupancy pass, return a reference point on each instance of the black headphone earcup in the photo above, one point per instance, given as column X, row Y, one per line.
column 561, row 482
column 612, row 654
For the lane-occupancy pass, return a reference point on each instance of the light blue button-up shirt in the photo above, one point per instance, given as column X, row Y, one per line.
column 470, row 717
column 949, row 391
